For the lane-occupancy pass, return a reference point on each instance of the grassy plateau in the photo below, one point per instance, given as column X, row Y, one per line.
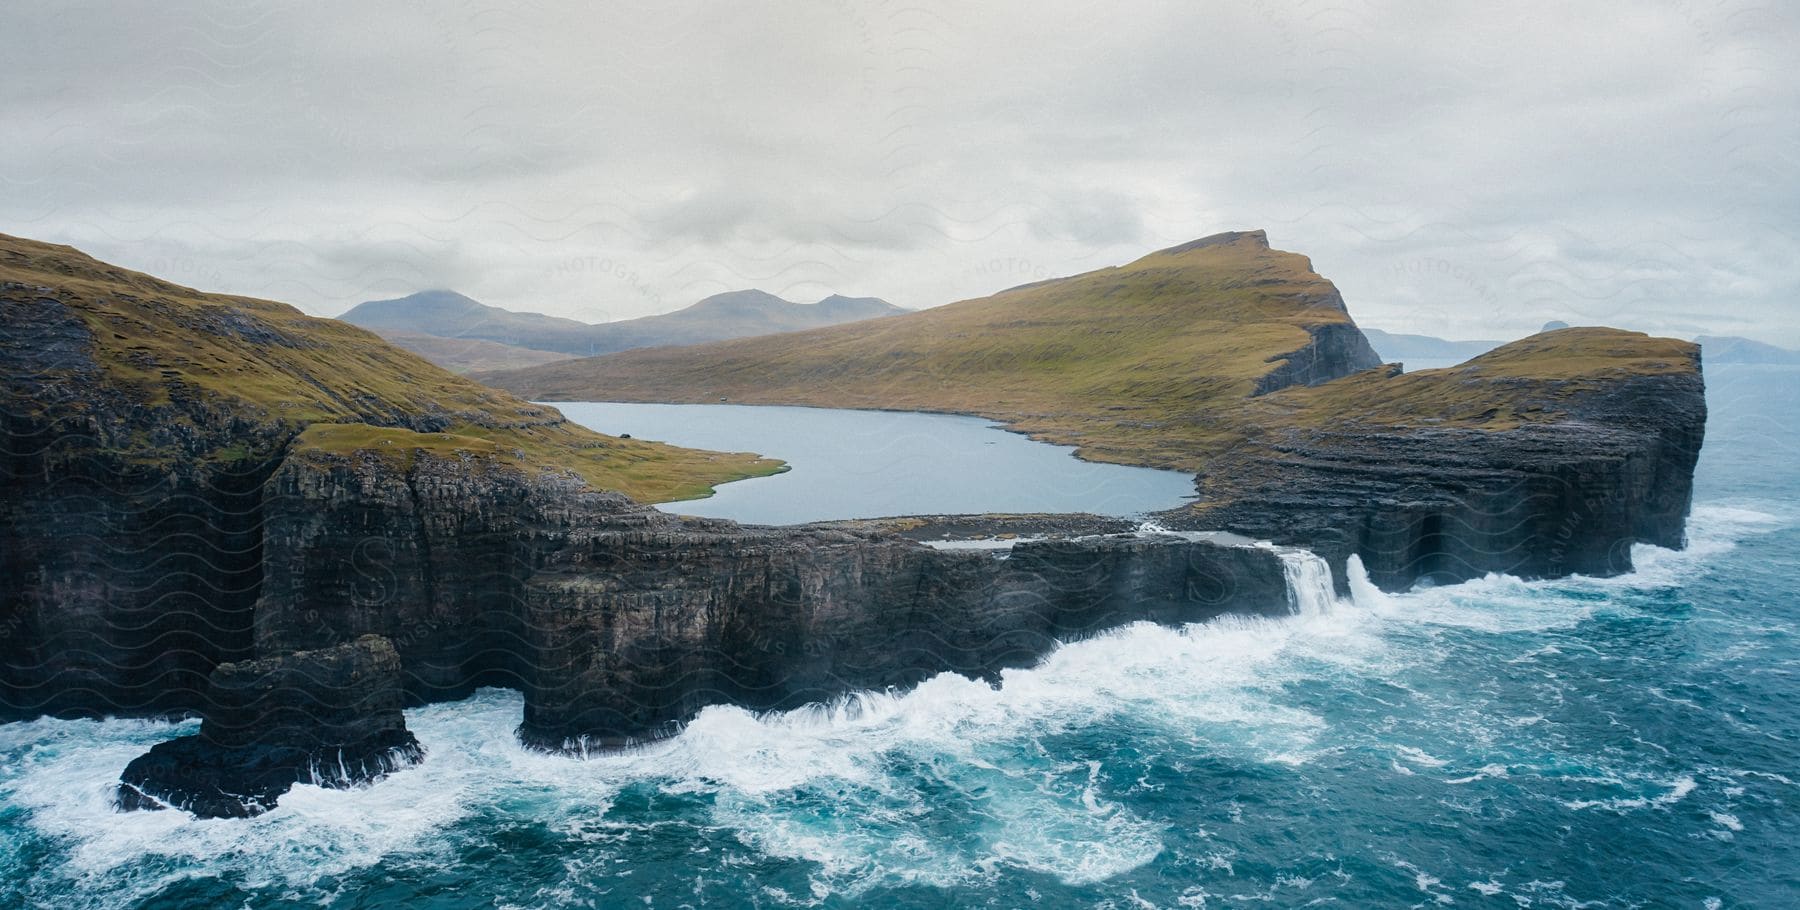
column 174, row 353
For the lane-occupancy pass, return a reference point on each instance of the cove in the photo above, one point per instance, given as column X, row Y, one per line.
column 847, row 464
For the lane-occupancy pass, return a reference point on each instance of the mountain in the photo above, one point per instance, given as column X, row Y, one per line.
column 1399, row 348
column 1120, row 361
column 1238, row 362
column 734, row 314
column 1732, row 349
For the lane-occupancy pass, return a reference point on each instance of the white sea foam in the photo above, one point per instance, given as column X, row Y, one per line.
column 1222, row 686
column 1219, row 683
column 1674, row 791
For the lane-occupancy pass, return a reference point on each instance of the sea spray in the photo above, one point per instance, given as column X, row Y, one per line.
column 1223, row 752
column 1363, row 592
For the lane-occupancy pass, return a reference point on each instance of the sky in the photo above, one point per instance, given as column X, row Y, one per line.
column 1469, row 170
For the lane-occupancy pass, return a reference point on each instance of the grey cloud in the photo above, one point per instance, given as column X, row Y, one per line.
column 1459, row 170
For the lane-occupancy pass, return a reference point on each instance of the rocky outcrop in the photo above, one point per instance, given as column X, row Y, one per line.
column 1552, row 471
column 619, row 622
column 1336, row 350
column 329, row 717
column 635, row 635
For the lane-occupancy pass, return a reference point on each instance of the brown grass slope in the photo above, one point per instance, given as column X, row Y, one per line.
column 1539, row 378
column 168, row 356
column 1145, row 363
column 468, row 355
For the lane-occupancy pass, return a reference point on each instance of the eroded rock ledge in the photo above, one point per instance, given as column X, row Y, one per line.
column 618, row 622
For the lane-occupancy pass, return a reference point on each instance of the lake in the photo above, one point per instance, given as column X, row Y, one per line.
column 876, row 464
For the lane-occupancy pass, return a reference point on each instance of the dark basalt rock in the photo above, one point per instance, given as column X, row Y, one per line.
column 329, row 717
column 1447, row 504
column 635, row 635
column 618, row 622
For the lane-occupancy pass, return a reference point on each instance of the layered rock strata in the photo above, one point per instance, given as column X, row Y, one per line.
column 329, row 717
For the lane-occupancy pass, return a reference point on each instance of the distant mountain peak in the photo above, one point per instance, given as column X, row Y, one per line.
column 443, row 313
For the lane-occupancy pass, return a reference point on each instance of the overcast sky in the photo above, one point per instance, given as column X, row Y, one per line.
column 1469, row 174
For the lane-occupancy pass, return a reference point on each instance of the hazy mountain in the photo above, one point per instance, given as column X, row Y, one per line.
column 1732, row 349
column 1395, row 347
column 734, row 314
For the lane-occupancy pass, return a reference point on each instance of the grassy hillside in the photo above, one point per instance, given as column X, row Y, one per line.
column 1525, row 381
column 173, row 358
column 468, row 355
column 734, row 314
column 1145, row 363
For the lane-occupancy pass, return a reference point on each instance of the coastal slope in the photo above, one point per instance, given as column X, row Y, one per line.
column 1131, row 364
column 142, row 421
column 1553, row 455
column 1548, row 456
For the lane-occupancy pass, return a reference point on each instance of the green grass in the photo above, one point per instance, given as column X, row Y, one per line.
column 1151, row 363
column 1526, row 381
column 183, row 355
column 1131, row 364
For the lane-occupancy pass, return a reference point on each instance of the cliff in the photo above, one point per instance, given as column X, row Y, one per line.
column 220, row 506
column 143, row 420
column 1549, row 456
column 618, row 622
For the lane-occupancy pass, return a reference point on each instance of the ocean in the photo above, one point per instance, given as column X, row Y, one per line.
column 1598, row 743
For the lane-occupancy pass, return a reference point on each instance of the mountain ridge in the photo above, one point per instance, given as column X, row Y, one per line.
column 730, row 314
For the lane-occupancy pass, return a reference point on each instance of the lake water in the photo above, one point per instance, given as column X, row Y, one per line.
column 1621, row 743
column 874, row 464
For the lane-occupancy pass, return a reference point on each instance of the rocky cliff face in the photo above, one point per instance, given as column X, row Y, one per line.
column 169, row 545
column 619, row 622
column 1548, row 457
column 1336, row 350
column 124, row 577
column 329, row 717
column 637, row 633
column 425, row 576
column 432, row 552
